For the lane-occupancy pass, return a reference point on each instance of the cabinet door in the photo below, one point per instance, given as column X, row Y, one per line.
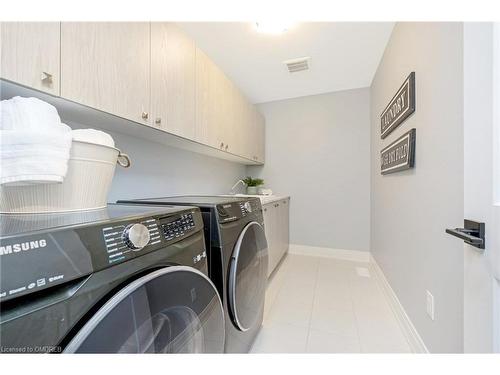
column 206, row 90
column 244, row 122
column 269, row 225
column 230, row 128
column 213, row 104
column 172, row 80
column 279, row 229
column 30, row 54
column 225, row 129
column 106, row 65
column 260, row 136
column 204, row 87
column 284, row 214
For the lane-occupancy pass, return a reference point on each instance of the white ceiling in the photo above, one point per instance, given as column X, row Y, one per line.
column 344, row 55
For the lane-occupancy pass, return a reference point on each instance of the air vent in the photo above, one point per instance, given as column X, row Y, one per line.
column 297, row 65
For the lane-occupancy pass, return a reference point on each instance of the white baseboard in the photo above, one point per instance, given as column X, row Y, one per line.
column 416, row 343
column 353, row 255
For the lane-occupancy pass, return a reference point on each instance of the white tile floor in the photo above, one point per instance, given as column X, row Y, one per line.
column 325, row 305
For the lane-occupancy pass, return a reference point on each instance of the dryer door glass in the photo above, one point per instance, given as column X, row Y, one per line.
column 171, row 310
column 248, row 277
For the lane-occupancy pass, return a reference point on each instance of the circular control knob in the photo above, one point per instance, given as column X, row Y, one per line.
column 248, row 206
column 136, row 236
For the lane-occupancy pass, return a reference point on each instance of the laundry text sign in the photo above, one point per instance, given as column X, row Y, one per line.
column 399, row 155
column 400, row 107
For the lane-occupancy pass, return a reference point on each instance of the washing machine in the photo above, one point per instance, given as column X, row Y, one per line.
column 237, row 257
column 125, row 279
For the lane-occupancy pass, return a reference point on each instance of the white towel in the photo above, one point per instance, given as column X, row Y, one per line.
column 35, row 145
column 21, row 113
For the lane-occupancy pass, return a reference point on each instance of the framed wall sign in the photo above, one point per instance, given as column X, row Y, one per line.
column 399, row 108
column 400, row 154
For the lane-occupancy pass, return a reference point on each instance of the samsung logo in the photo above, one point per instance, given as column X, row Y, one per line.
column 23, row 246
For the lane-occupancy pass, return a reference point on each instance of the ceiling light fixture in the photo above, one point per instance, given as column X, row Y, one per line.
column 273, row 27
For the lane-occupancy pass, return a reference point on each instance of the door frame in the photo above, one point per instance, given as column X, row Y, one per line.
column 480, row 287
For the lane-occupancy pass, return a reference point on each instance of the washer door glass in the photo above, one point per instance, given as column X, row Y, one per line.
column 171, row 310
column 248, row 277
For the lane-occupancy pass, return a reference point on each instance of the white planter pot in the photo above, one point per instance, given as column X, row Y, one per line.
column 252, row 190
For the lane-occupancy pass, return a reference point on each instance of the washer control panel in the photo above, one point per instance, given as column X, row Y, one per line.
column 136, row 236
column 123, row 239
column 93, row 245
column 178, row 227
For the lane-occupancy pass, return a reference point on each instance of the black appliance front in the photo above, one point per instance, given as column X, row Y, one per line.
column 71, row 293
column 171, row 310
column 238, row 258
column 247, row 277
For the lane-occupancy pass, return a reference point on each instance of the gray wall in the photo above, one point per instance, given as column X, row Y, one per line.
column 410, row 210
column 317, row 151
column 159, row 170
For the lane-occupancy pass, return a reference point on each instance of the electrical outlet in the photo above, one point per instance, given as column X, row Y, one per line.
column 430, row 304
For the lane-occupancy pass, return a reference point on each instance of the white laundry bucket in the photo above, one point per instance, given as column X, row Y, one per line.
column 91, row 168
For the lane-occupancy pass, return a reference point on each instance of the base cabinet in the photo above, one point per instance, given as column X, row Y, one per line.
column 277, row 223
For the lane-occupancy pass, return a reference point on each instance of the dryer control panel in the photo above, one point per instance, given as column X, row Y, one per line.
column 237, row 210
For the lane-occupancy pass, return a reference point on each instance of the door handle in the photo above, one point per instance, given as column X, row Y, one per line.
column 473, row 233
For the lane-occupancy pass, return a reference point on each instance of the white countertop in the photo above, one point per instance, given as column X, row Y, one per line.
column 264, row 199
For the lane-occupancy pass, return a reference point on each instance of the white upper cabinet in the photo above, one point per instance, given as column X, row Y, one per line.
column 106, row 65
column 150, row 73
column 203, row 98
column 242, row 124
column 172, row 80
column 30, row 54
column 213, row 105
column 260, row 137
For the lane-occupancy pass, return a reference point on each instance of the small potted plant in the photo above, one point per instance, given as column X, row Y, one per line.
column 253, row 184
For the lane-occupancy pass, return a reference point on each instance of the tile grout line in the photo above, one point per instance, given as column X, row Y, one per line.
column 312, row 307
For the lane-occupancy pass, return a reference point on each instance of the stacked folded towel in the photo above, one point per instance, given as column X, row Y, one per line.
column 34, row 144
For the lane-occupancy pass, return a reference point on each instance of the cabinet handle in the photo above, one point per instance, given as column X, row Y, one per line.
column 145, row 115
column 227, row 146
column 265, row 209
column 46, row 77
column 222, row 145
column 158, row 120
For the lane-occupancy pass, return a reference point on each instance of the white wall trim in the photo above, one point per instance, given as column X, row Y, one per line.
column 353, row 255
column 416, row 343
